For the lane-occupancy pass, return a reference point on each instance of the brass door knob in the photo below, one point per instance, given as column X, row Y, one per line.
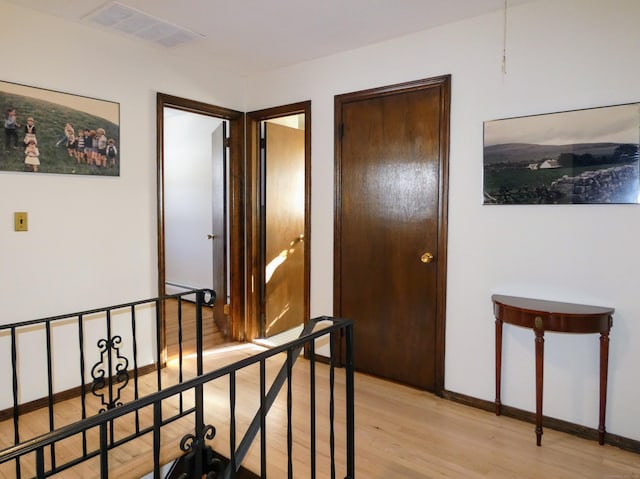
column 426, row 258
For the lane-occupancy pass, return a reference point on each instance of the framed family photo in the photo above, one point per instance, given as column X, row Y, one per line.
column 585, row 156
column 47, row 131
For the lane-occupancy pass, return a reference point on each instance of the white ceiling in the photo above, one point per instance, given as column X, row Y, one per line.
column 248, row 36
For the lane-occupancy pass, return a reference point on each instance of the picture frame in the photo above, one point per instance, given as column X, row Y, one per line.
column 587, row 156
column 47, row 131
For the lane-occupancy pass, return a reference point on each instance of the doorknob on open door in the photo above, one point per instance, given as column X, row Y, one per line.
column 426, row 258
column 211, row 236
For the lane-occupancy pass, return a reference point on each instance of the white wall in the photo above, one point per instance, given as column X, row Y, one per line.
column 92, row 241
column 561, row 55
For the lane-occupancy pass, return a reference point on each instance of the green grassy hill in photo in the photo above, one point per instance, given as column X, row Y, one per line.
column 50, row 119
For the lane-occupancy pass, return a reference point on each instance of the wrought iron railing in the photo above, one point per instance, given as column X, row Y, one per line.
column 198, row 457
column 105, row 343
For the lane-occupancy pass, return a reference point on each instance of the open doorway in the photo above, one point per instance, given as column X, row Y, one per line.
column 195, row 176
column 200, row 221
column 278, row 143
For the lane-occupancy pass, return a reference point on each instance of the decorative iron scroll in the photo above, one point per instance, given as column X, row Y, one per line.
column 110, row 360
column 212, row 463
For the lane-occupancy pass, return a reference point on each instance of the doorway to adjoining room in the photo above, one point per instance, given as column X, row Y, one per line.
column 200, row 227
column 280, row 229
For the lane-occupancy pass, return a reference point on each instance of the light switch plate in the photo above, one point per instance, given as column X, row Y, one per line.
column 21, row 221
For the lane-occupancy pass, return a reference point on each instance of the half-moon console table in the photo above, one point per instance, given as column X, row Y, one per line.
column 541, row 316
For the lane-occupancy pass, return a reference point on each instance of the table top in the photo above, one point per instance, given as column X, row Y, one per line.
column 547, row 315
column 550, row 307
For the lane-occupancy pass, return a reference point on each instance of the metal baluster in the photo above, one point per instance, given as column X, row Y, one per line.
column 50, row 391
column 104, row 451
column 109, row 374
column 157, row 422
column 83, row 393
column 16, row 412
column 350, row 397
column 199, row 430
column 332, row 434
column 136, row 392
column 180, row 377
column 232, row 425
column 199, row 303
column 263, row 420
column 39, row 463
column 312, row 404
column 158, row 346
column 289, row 409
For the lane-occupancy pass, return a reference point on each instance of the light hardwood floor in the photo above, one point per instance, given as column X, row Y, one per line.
column 400, row 433
column 211, row 335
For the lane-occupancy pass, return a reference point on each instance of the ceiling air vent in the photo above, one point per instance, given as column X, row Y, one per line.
column 125, row 19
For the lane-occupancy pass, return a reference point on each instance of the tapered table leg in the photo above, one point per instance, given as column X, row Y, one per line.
column 539, row 382
column 604, row 367
column 498, row 364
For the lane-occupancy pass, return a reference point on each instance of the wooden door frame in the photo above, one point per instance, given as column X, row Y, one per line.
column 235, row 207
column 254, row 227
column 444, row 83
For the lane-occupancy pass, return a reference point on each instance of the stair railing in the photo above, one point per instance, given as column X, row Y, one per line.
column 203, row 458
column 106, row 344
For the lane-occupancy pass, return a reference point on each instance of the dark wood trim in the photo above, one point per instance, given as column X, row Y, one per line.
column 443, row 229
column 160, row 104
column 194, row 106
column 280, row 111
column 252, row 320
column 31, row 406
column 444, row 83
column 254, row 228
column 237, row 222
column 236, row 208
column 338, row 343
column 584, row 432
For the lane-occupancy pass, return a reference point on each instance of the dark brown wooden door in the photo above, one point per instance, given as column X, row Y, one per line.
column 390, row 241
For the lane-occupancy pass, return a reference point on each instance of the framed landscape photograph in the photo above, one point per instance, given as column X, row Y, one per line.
column 47, row 131
column 585, row 156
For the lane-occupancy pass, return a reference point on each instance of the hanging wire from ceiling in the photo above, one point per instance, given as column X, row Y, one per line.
column 504, row 41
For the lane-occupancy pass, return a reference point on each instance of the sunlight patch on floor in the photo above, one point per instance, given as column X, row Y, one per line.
column 220, row 351
column 280, row 338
